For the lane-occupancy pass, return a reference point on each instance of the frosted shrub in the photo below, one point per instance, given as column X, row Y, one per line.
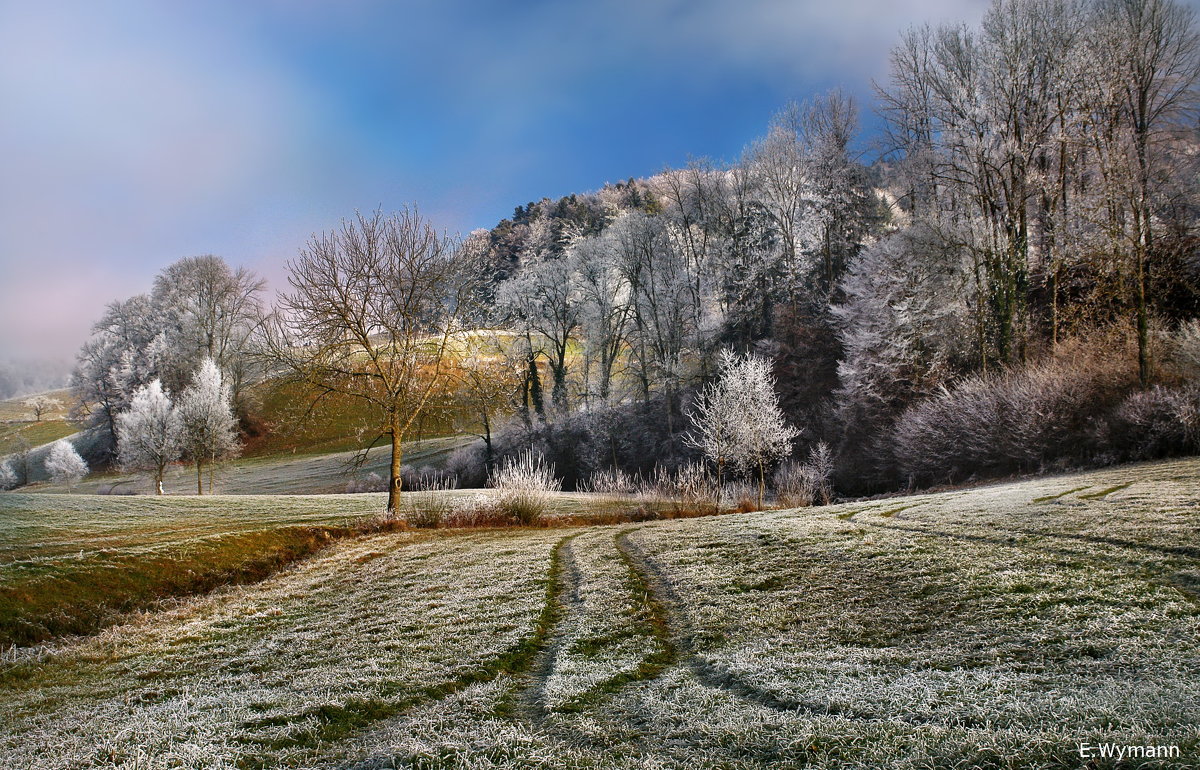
column 430, row 508
column 8, row 476
column 1025, row 419
column 739, row 496
column 792, row 488
column 690, row 488
column 695, row 489
column 1158, row 422
column 801, row 484
column 468, row 466
column 610, row 481
column 1184, row 349
column 525, row 484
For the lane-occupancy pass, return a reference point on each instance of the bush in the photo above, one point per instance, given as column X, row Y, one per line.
column 372, row 482
column 609, row 481
column 690, row 488
column 1157, row 423
column 802, row 484
column 468, row 466
column 430, row 507
column 1046, row 415
column 1183, row 349
column 525, row 483
column 741, row 497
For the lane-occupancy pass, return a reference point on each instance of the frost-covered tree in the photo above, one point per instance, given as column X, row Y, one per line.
column 543, row 300
column 149, row 434
column 40, row 405
column 209, row 310
column 64, row 464
column 209, row 428
column 661, row 325
column 604, row 311
column 20, row 459
column 737, row 421
column 903, row 322
column 8, row 476
column 125, row 352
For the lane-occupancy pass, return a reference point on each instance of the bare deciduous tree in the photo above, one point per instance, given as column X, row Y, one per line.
column 41, row 405
column 371, row 315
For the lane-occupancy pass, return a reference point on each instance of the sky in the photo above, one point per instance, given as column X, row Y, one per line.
column 136, row 133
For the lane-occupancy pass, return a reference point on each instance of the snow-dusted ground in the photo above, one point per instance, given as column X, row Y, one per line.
column 993, row 627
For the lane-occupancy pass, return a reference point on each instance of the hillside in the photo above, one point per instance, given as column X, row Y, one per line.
column 17, row 422
column 999, row 626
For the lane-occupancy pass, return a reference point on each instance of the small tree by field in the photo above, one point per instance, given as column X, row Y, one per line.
column 42, row 405
column 208, row 427
column 64, row 464
column 737, row 421
column 372, row 313
column 488, row 380
column 150, row 433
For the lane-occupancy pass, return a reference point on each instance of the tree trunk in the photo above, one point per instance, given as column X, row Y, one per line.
column 395, row 482
column 1143, row 325
column 199, row 476
column 762, row 484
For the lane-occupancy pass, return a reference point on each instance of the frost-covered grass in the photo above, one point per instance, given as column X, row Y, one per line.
column 608, row 634
column 272, row 674
column 995, row 627
column 975, row 618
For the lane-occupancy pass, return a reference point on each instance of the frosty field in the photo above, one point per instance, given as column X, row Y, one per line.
column 998, row 627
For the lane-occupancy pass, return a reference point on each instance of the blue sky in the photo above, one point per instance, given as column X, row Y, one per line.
column 136, row 133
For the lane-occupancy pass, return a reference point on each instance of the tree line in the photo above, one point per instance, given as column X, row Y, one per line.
column 1027, row 223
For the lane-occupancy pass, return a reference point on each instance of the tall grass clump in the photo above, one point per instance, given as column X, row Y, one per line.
column 802, row 484
column 432, row 506
column 609, row 481
column 690, row 488
column 525, row 484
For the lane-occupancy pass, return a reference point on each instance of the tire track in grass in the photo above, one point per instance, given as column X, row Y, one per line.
column 339, row 722
column 562, row 594
column 682, row 641
column 651, row 666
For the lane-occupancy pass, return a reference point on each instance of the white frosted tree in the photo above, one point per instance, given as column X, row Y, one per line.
column 209, row 428
column 149, row 434
column 8, row 476
column 737, row 420
column 64, row 464
column 543, row 300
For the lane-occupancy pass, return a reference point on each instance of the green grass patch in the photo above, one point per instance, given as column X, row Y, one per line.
column 1103, row 493
column 35, row 433
column 1048, row 498
column 41, row 599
